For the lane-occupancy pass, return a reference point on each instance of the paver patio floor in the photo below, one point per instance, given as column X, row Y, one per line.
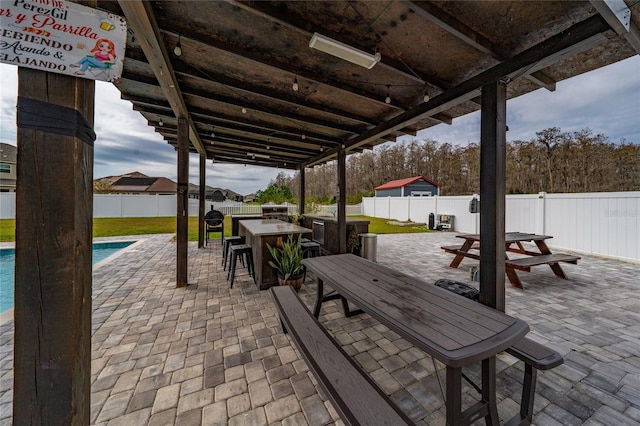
column 209, row 354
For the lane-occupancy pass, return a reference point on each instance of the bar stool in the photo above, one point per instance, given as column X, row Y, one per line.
column 310, row 249
column 240, row 250
column 228, row 242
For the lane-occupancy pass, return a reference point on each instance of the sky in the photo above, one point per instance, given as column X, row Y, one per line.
column 606, row 101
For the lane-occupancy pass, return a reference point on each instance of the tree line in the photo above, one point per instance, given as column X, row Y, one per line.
column 554, row 162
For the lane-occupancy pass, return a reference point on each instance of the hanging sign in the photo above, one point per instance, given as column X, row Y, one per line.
column 62, row 37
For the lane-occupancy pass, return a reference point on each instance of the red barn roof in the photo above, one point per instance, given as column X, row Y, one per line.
column 404, row 182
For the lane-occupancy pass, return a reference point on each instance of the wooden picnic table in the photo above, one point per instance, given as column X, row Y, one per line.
column 513, row 244
column 454, row 330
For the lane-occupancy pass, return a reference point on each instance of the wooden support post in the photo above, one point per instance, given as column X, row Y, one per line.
column 493, row 143
column 302, row 189
column 201, row 198
column 182, row 224
column 342, row 201
column 54, row 217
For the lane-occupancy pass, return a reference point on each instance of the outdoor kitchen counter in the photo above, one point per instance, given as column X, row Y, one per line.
column 260, row 232
column 325, row 230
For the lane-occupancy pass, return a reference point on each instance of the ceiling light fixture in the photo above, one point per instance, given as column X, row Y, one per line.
column 252, row 155
column 295, row 86
column 388, row 98
column 178, row 49
column 343, row 51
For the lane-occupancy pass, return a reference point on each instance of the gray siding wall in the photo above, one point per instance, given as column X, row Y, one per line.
column 420, row 186
column 394, row 192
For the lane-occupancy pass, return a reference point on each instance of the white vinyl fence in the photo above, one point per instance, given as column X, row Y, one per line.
column 123, row 205
column 604, row 224
column 130, row 205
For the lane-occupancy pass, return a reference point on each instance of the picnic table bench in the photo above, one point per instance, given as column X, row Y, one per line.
column 354, row 395
column 513, row 244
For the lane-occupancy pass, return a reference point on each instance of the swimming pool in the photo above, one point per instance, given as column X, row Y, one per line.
column 8, row 257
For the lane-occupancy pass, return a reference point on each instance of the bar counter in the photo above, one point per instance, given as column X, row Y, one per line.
column 260, row 232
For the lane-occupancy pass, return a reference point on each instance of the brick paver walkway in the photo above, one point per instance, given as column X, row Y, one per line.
column 209, row 355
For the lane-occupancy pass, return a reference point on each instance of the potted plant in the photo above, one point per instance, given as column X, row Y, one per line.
column 287, row 261
column 295, row 218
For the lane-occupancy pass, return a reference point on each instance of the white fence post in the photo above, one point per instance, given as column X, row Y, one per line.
column 540, row 213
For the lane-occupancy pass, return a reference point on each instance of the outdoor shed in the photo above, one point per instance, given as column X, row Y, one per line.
column 418, row 186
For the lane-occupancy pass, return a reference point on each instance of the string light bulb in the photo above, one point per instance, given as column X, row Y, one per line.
column 304, row 136
column 244, row 110
column 388, row 98
column 178, row 49
column 295, row 86
column 426, row 96
column 213, row 135
column 160, row 123
column 377, row 56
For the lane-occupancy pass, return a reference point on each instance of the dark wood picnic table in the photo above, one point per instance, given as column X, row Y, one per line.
column 513, row 244
column 454, row 330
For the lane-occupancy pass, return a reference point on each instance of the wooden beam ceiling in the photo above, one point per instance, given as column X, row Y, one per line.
column 235, row 81
column 568, row 42
column 473, row 38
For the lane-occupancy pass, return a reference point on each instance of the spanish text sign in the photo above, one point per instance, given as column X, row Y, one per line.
column 62, row 37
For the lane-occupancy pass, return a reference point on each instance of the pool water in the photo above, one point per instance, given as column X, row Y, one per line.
column 7, row 268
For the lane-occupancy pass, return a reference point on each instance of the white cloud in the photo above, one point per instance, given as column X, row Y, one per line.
column 606, row 101
column 125, row 143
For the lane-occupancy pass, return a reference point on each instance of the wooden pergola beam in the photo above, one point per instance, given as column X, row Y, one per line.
column 618, row 15
column 231, row 123
column 285, row 147
column 141, row 20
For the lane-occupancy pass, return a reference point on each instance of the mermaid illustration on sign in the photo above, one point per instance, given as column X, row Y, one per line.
column 102, row 56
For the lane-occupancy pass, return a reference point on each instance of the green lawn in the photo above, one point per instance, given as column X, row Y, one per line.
column 114, row 227
column 379, row 226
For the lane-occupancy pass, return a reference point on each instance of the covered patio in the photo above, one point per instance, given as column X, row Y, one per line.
column 213, row 355
column 239, row 82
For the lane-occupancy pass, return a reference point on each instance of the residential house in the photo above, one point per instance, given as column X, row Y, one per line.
column 8, row 167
